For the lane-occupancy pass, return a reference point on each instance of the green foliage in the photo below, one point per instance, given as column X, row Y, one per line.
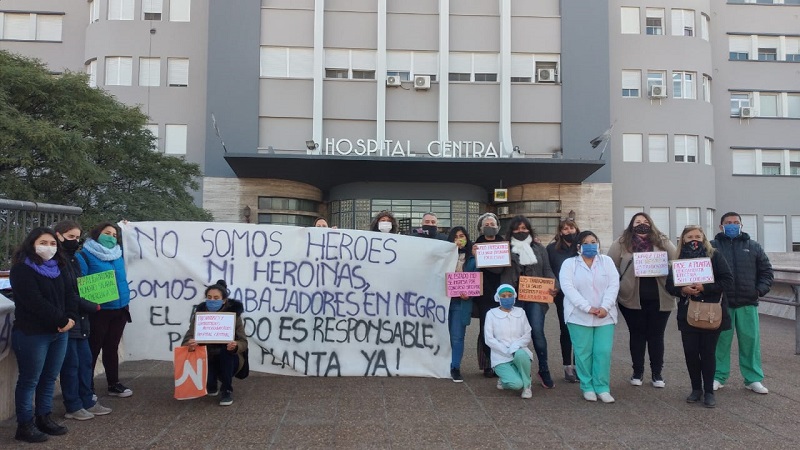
column 63, row 142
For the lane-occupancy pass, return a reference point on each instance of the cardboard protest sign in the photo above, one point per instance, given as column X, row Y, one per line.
column 214, row 328
column 99, row 287
column 493, row 254
column 191, row 372
column 690, row 271
column 651, row 264
column 536, row 289
column 469, row 283
column 317, row 301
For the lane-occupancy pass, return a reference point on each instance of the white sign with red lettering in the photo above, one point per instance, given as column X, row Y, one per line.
column 691, row 271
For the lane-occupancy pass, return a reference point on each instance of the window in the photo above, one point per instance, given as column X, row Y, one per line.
column 710, row 228
column 774, row 233
column 630, row 20
column 546, row 66
column 119, row 70
column 179, row 10
column 94, row 11
column 31, row 27
column 287, row 62
column 654, row 24
column 337, row 73
column 521, row 79
column 770, row 169
column 707, row 151
column 794, row 168
column 685, row 148
column 657, row 147
column 485, row 77
column 16, row 26
column 767, row 54
column 682, row 22
column 686, row 216
column 403, row 76
column 796, row 233
column 660, row 216
column 629, row 211
column 704, row 23
column 744, row 162
column 149, row 71
column 48, row 27
column 631, row 83
column 91, row 70
column 739, row 47
column 120, row 9
column 767, row 105
column 738, row 101
column 792, row 49
column 151, row 9
column 175, row 139
column 363, row 74
column 286, row 219
column 750, row 225
column 153, row 128
column 284, row 203
column 632, row 147
column 771, row 161
column 707, row 88
column 535, row 207
column 683, row 85
column 178, row 72
column 521, row 68
column 793, row 103
column 655, row 78
column 459, row 76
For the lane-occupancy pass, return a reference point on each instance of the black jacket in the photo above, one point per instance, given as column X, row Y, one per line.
column 752, row 271
column 42, row 305
column 491, row 277
column 84, row 307
column 712, row 293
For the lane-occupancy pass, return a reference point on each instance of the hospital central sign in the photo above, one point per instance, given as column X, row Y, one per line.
column 403, row 149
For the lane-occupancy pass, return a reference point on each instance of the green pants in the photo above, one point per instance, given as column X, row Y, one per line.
column 592, row 347
column 744, row 320
column 516, row 374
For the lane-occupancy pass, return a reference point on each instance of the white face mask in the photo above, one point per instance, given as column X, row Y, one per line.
column 46, row 252
column 384, row 227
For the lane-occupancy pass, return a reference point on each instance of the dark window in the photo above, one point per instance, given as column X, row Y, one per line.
column 521, row 79
column 485, row 77
column 455, row 76
column 363, row 74
column 336, row 73
column 767, row 54
column 739, row 56
column 286, row 219
column 152, row 16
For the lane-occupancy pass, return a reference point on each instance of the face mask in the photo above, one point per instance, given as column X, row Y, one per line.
column 461, row 242
column 521, row 236
column 568, row 237
column 431, row 230
column 490, row 231
column 71, row 245
column 642, row 228
column 384, row 227
column 693, row 245
column 507, row 302
column 214, row 305
column 46, row 252
column 732, row 230
column 588, row 250
column 107, row 241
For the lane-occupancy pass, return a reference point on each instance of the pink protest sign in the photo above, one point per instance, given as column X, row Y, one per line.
column 469, row 283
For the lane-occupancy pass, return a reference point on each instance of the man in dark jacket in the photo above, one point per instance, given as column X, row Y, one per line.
column 429, row 228
column 752, row 274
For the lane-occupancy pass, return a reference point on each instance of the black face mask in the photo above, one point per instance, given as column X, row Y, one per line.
column 71, row 245
column 431, row 230
column 693, row 249
column 569, row 238
column 642, row 229
column 520, row 236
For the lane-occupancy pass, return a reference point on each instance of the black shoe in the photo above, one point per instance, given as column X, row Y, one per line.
column 569, row 374
column 119, row 390
column 709, row 401
column 489, row 373
column 695, row 396
column 29, row 433
column 46, row 425
column 455, row 374
column 226, row 399
column 547, row 380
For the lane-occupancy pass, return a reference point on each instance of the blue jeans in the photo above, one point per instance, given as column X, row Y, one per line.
column 39, row 359
column 458, row 318
column 76, row 375
column 535, row 312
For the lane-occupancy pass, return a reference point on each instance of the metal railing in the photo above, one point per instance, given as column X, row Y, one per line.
column 17, row 218
column 788, row 276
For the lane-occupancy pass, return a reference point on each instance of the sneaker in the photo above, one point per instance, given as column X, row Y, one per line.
column 547, row 381
column 119, row 390
column 99, row 410
column 455, row 374
column 590, row 396
column 80, row 414
column 605, row 397
column 226, row 399
column 658, row 381
column 718, row 385
column 94, row 398
column 569, row 374
column 695, row 396
column 526, row 393
column 212, row 393
column 709, row 401
column 636, row 379
column 757, row 387
column 500, row 385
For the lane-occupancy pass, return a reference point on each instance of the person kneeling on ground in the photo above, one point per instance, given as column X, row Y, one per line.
column 224, row 360
column 508, row 334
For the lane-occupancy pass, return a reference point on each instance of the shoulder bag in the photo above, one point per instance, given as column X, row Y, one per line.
column 706, row 316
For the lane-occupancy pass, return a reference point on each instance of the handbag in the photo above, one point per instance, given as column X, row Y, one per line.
column 706, row 316
column 191, row 372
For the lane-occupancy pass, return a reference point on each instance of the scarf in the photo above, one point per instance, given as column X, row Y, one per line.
column 462, row 258
column 102, row 253
column 641, row 244
column 688, row 253
column 47, row 269
column 524, row 250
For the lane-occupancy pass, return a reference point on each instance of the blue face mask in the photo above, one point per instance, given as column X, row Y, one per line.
column 507, row 302
column 589, row 250
column 214, row 305
column 732, row 230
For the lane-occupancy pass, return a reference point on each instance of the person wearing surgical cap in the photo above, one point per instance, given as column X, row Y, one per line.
column 508, row 334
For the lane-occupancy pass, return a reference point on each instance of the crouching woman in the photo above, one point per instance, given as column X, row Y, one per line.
column 508, row 334
column 224, row 360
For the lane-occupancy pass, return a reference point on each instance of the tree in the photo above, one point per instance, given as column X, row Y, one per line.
column 63, row 142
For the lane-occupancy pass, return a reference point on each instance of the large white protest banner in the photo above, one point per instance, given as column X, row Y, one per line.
column 317, row 301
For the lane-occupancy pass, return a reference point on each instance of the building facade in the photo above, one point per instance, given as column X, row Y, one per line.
column 343, row 108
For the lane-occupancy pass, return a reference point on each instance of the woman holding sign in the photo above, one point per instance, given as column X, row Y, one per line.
column 590, row 283
column 103, row 252
column 699, row 345
column 224, row 360
column 643, row 300
column 488, row 230
column 561, row 249
column 530, row 259
column 460, row 314
column 508, row 334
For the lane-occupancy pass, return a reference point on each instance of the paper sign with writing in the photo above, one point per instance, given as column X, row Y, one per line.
column 651, row 264
column 214, row 328
column 99, row 287
column 494, row 254
column 536, row 289
column 690, row 271
column 469, row 283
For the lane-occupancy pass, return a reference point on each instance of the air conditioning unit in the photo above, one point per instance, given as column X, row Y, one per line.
column 658, row 91
column 422, row 82
column 393, row 80
column 747, row 112
column 546, row 75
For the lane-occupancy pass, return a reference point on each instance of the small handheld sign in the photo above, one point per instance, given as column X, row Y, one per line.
column 493, row 254
column 651, row 264
column 468, row 283
column 691, row 271
column 214, row 328
column 99, row 287
column 536, row 289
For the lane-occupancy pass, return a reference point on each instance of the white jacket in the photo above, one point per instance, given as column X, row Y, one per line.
column 505, row 333
column 585, row 287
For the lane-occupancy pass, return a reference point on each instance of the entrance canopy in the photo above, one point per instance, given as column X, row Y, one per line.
column 325, row 172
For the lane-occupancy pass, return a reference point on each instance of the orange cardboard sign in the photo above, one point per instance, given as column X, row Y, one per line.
column 536, row 289
column 191, row 372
